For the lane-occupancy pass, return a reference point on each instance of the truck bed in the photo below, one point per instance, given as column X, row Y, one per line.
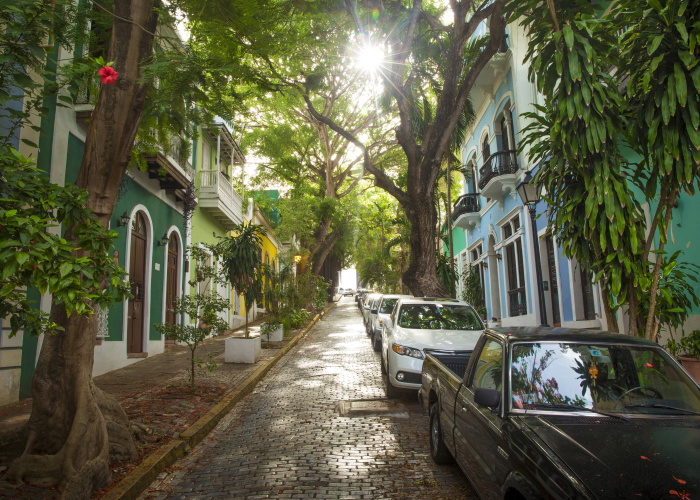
column 455, row 361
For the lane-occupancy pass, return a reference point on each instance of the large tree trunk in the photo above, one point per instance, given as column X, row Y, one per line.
column 421, row 277
column 75, row 428
column 322, row 255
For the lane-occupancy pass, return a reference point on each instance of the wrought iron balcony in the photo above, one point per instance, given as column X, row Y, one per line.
column 498, row 174
column 500, row 163
column 466, row 210
column 517, row 305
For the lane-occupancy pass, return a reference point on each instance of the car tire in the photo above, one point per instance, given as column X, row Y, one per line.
column 391, row 391
column 381, row 365
column 376, row 342
column 441, row 455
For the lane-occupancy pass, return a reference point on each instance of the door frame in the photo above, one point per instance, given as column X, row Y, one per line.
column 147, row 278
column 180, row 265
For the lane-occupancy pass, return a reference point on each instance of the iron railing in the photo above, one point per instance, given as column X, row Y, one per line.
column 517, row 306
column 466, row 204
column 499, row 163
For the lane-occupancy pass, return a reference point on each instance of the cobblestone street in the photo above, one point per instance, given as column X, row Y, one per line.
column 318, row 426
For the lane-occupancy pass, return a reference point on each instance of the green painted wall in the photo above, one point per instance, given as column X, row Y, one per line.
column 162, row 216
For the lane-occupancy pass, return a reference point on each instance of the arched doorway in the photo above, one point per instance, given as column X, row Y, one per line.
column 493, row 279
column 171, row 291
column 137, row 277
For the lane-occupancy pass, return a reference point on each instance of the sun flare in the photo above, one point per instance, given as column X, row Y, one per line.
column 370, row 58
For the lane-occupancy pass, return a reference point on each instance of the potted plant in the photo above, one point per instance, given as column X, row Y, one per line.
column 241, row 257
column 272, row 329
column 689, row 346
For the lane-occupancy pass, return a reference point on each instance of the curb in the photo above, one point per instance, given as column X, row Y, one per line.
column 138, row 480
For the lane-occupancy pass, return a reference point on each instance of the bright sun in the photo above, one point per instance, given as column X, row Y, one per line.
column 370, row 58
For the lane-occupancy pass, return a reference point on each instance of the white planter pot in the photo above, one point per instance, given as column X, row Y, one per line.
column 242, row 350
column 273, row 336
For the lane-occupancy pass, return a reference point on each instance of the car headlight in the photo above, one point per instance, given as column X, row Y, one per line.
column 407, row 351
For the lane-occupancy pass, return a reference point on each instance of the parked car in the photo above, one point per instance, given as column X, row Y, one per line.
column 563, row 413
column 367, row 309
column 423, row 323
column 384, row 308
column 348, row 292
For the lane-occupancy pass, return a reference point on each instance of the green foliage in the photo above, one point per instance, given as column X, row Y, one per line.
column 472, row 291
column 79, row 273
column 446, row 273
column 574, row 136
column 202, row 307
column 688, row 345
column 659, row 51
column 241, row 256
column 676, row 293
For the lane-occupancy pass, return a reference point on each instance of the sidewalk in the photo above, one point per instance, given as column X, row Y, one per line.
column 167, row 417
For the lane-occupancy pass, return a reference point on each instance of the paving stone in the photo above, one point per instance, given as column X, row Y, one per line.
column 286, row 439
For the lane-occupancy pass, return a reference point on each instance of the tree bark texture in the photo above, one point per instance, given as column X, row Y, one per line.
column 75, row 428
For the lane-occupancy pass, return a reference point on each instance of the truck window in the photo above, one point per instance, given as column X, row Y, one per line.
column 488, row 373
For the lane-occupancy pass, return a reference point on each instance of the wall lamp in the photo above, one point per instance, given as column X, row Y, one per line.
column 164, row 240
column 123, row 219
column 483, row 264
column 499, row 256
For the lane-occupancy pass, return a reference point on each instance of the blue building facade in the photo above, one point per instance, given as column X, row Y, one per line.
column 493, row 224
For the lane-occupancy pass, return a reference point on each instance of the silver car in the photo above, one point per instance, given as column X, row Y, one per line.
column 385, row 306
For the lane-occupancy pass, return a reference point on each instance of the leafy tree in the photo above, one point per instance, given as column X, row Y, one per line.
column 241, row 256
column 319, row 164
column 576, row 136
column 659, row 53
column 35, row 255
column 202, row 307
column 428, row 71
column 74, row 428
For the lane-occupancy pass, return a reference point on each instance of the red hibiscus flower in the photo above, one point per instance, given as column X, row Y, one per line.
column 108, row 75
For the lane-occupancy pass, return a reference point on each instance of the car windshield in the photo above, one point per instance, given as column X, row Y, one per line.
column 387, row 306
column 439, row 317
column 609, row 377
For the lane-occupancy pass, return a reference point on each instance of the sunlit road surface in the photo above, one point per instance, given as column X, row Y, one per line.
column 318, row 426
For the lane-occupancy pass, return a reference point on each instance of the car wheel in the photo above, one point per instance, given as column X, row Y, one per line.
column 391, row 391
column 441, row 455
column 376, row 342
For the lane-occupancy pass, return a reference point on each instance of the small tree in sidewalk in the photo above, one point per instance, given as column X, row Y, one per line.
column 202, row 307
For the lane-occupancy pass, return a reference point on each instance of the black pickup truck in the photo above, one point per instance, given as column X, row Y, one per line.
column 561, row 413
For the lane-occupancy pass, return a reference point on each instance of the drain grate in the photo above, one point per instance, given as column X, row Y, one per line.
column 371, row 407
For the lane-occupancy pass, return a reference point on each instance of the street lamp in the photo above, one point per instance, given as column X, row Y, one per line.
column 530, row 194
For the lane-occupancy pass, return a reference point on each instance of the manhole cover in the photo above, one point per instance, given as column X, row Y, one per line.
column 371, row 407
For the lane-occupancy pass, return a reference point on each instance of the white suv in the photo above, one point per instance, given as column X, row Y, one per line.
column 417, row 324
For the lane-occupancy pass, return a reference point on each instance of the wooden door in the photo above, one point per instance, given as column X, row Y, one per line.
column 553, row 283
column 137, row 277
column 171, row 285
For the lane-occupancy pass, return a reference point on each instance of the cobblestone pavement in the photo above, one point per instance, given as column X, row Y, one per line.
column 289, row 440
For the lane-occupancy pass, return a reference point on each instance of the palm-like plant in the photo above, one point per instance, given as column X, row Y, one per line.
column 241, row 256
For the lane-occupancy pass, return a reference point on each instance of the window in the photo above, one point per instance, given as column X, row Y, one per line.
column 488, row 373
column 504, row 134
column 439, row 317
column 514, row 267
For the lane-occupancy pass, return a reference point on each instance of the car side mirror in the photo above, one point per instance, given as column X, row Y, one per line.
column 387, row 324
column 487, row 397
